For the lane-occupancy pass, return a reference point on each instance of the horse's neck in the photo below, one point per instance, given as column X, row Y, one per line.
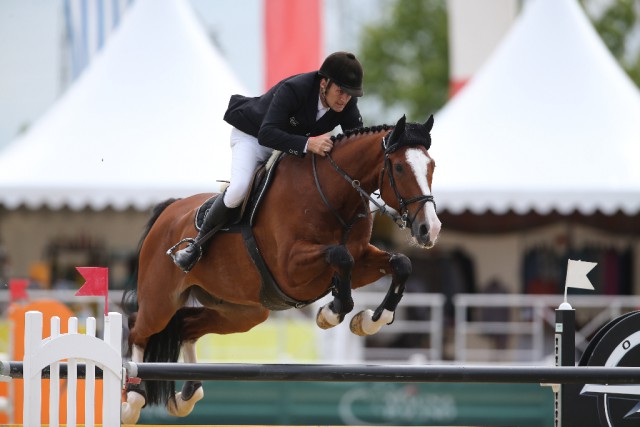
column 361, row 157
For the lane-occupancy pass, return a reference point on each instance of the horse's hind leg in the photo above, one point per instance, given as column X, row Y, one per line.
column 152, row 330
column 224, row 319
column 136, row 396
column 368, row 322
column 333, row 313
column 191, row 392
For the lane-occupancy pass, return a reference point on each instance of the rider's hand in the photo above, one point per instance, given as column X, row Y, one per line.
column 319, row 145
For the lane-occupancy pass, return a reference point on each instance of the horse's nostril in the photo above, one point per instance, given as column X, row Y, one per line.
column 424, row 230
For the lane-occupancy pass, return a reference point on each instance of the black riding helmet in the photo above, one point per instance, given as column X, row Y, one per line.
column 343, row 69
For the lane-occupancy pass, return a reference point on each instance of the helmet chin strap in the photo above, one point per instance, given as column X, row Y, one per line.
column 323, row 92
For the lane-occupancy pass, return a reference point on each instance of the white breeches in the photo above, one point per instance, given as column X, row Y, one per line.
column 246, row 155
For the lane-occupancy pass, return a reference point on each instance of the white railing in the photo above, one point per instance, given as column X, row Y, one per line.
column 500, row 328
column 509, row 328
column 73, row 347
column 416, row 332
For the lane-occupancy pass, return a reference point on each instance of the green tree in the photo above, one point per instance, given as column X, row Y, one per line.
column 406, row 57
column 407, row 61
column 616, row 21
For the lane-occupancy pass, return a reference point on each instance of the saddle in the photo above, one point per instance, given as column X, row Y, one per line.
column 246, row 212
column 271, row 296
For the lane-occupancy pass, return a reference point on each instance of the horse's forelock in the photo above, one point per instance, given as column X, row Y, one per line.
column 416, row 134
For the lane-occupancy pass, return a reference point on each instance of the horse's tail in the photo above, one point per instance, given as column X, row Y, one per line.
column 164, row 347
column 129, row 301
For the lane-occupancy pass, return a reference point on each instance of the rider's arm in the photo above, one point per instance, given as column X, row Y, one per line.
column 275, row 131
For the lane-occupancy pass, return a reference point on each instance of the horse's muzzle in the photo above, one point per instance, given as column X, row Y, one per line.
column 425, row 234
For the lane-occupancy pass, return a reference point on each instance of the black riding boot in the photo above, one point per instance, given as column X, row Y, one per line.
column 216, row 216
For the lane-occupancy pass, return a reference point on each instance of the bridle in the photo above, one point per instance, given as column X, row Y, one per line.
column 402, row 202
column 403, row 220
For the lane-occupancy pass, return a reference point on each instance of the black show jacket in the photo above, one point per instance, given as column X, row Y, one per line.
column 285, row 117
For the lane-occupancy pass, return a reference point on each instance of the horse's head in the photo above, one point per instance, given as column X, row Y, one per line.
column 405, row 180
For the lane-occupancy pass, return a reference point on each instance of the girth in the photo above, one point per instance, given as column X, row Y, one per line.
column 271, row 295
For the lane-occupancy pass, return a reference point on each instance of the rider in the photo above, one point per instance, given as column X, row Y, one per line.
column 294, row 116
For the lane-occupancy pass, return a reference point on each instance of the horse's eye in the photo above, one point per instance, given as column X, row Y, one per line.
column 398, row 168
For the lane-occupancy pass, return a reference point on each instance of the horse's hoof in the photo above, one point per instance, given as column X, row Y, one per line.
column 179, row 407
column 326, row 319
column 130, row 410
column 362, row 324
column 356, row 325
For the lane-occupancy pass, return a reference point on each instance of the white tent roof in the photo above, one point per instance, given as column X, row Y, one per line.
column 142, row 124
column 550, row 122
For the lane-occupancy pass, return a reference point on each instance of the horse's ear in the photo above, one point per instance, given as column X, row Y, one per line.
column 429, row 123
column 398, row 130
column 400, row 124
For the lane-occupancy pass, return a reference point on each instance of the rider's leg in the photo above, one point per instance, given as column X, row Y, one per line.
column 217, row 215
column 246, row 155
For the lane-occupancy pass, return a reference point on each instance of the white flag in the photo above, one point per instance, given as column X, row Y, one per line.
column 577, row 274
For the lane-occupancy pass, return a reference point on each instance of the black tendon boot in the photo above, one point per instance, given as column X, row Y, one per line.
column 216, row 216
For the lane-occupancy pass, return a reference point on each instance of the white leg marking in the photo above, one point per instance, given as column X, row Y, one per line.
column 326, row 318
column 130, row 410
column 189, row 352
column 137, row 354
column 362, row 323
column 371, row 327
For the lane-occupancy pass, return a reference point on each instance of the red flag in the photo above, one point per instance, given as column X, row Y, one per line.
column 293, row 38
column 97, row 284
column 18, row 289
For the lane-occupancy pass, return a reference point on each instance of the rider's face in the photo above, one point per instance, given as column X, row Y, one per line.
column 334, row 97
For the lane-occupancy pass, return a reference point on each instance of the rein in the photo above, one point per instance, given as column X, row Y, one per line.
column 354, row 183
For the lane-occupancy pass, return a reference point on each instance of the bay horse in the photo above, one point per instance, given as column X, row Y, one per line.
column 313, row 233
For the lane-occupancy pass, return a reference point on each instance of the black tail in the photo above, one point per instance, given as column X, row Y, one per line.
column 129, row 301
column 164, row 347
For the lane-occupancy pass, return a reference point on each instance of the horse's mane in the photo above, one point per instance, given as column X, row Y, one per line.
column 360, row 131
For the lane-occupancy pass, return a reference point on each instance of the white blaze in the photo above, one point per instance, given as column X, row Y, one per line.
column 419, row 163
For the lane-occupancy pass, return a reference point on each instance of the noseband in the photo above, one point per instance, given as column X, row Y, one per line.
column 401, row 220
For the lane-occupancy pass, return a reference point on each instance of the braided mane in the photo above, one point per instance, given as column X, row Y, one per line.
column 359, row 131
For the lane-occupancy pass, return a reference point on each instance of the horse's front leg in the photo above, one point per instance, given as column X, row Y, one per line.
column 377, row 264
column 330, row 315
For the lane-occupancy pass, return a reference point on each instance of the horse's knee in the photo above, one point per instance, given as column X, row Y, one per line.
column 340, row 258
column 401, row 267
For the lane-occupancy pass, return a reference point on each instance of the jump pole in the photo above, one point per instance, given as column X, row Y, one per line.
column 382, row 373
column 358, row 373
